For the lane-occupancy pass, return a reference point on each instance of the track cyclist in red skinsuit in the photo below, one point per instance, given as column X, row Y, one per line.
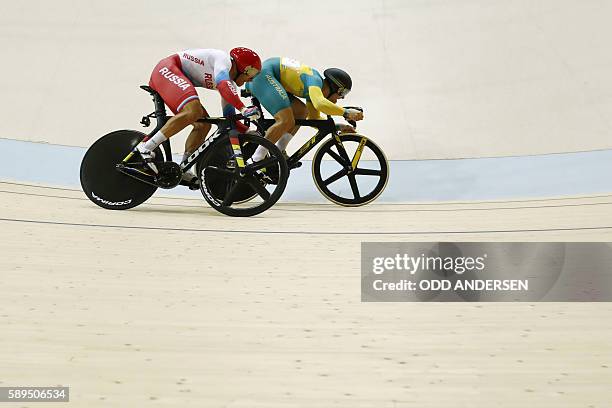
column 175, row 79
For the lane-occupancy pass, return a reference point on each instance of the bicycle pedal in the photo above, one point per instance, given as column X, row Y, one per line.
column 193, row 184
column 264, row 178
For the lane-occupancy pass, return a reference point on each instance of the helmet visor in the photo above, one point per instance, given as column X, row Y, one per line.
column 343, row 92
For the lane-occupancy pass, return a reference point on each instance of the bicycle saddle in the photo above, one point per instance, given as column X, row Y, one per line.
column 156, row 97
column 149, row 89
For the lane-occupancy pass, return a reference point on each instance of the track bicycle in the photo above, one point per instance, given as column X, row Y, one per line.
column 339, row 170
column 114, row 176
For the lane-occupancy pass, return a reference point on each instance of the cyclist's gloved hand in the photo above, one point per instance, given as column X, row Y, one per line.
column 251, row 112
column 352, row 114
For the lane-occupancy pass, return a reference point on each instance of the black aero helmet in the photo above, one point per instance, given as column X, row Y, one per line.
column 338, row 80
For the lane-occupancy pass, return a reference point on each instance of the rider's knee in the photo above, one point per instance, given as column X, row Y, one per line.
column 200, row 126
column 299, row 109
column 287, row 123
column 201, row 129
column 193, row 111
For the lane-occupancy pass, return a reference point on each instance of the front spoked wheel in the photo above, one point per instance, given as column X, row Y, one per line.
column 242, row 190
column 352, row 171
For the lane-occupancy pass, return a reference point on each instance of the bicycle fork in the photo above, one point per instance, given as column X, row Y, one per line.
column 343, row 153
column 235, row 142
column 357, row 155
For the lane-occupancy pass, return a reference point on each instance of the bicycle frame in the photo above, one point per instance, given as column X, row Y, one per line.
column 324, row 128
column 224, row 125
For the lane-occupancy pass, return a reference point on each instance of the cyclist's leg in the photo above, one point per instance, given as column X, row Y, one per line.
column 267, row 88
column 197, row 136
column 284, row 123
column 299, row 112
column 179, row 94
column 188, row 115
column 194, row 140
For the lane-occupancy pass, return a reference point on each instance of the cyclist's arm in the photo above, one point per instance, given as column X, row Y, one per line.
column 228, row 110
column 313, row 113
column 323, row 105
column 225, row 86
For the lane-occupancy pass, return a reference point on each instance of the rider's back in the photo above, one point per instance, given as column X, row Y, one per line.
column 203, row 65
column 297, row 77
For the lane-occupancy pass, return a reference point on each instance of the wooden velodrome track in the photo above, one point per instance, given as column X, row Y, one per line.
column 173, row 305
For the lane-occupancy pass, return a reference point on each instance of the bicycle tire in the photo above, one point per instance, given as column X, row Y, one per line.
column 100, row 180
column 210, row 178
column 336, row 198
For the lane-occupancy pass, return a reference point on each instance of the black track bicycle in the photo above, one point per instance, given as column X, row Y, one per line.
column 114, row 177
column 349, row 169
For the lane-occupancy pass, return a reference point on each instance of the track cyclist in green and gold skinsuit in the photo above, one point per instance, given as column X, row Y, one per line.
column 280, row 84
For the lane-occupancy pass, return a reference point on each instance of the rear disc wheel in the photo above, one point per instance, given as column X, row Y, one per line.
column 102, row 183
